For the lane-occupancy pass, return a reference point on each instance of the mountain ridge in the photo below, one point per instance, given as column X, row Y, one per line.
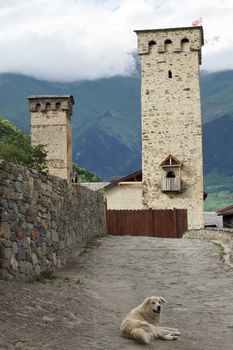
column 106, row 120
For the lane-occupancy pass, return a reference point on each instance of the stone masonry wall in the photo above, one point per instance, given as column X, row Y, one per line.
column 42, row 218
column 171, row 118
column 222, row 235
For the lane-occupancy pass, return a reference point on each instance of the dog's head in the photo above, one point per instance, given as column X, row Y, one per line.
column 153, row 305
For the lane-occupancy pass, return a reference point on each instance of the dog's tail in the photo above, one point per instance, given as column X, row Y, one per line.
column 140, row 336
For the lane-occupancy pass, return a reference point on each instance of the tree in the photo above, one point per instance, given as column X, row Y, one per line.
column 84, row 175
column 15, row 147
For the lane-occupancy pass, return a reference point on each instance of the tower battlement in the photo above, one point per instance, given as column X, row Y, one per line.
column 170, row 40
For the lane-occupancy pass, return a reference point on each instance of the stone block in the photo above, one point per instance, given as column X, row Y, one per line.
column 6, row 253
column 4, row 263
column 6, row 243
column 21, row 254
column 34, row 259
column 20, row 233
column 29, row 268
column 5, row 230
column 23, row 267
column 54, row 259
column 55, row 236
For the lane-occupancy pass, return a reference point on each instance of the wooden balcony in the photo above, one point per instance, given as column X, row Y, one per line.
column 171, row 184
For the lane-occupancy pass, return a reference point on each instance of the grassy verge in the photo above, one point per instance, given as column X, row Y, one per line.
column 44, row 277
column 92, row 243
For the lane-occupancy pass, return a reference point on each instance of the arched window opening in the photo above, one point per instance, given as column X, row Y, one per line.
column 170, row 74
column 184, row 44
column 152, row 42
column 167, row 45
column 48, row 106
column 185, row 40
column 58, row 105
column 38, row 107
column 170, row 174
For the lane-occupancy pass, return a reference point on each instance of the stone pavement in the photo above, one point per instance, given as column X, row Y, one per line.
column 83, row 308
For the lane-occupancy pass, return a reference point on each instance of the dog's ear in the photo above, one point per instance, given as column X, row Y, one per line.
column 163, row 300
column 146, row 301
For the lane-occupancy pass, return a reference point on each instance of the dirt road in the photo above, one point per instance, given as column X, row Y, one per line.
column 82, row 308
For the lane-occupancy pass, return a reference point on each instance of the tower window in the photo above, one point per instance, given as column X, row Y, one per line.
column 58, row 105
column 184, row 44
column 48, row 106
column 152, row 42
column 170, row 174
column 167, row 45
column 38, row 107
column 169, row 74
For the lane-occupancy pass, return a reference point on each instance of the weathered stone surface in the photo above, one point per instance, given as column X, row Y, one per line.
column 171, row 119
column 5, row 253
column 34, row 259
column 221, row 235
column 38, row 230
column 21, row 233
column 5, row 230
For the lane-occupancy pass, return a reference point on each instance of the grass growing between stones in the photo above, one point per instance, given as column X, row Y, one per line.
column 221, row 250
column 44, row 277
column 92, row 244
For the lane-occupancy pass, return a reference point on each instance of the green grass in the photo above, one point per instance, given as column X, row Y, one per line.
column 220, row 191
column 92, row 244
column 43, row 277
column 220, row 250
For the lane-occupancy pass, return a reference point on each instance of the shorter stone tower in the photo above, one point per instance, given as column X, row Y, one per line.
column 51, row 126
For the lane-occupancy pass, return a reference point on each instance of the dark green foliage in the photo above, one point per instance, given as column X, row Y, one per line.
column 84, row 175
column 15, row 147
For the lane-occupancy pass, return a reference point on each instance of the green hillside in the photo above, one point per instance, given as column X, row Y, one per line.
column 15, row 147
column 217, row 93
column 218, row 161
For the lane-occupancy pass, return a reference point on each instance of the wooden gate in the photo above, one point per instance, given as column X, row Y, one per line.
column 170, row 223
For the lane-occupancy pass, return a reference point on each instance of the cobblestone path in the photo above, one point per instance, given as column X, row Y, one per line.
column 83, row 308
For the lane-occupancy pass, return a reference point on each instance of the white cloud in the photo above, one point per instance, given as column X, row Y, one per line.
column 67, row 40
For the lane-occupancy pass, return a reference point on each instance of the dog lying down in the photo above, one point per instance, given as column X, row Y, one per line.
column 141, row 324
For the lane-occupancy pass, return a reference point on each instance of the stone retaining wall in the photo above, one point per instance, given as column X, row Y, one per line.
column 223, row 236
column 42, row 218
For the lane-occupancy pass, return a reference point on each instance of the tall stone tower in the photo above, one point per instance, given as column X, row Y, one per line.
column 171, row 120
column 51, row 126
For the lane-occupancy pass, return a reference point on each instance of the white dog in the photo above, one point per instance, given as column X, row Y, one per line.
column 141, row 324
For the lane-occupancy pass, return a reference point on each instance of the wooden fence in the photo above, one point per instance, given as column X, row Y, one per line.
column 156, row 223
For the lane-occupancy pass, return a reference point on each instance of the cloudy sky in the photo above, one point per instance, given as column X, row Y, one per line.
column 68, row 40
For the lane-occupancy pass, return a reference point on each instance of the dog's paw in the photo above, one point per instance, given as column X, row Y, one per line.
column 176, row 333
